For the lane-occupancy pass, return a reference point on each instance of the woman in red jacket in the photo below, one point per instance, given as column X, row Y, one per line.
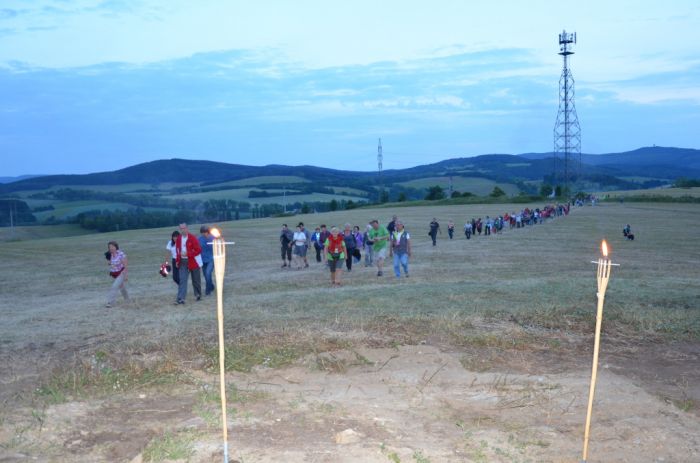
column 188, row 261
column 335, row 254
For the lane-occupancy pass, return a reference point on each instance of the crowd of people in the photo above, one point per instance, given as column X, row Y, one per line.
column 189, row 257
column 338, row 249
column 342, row 248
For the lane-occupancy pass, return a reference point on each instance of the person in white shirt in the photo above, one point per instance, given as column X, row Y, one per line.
column 172, row 255
column 299, row 243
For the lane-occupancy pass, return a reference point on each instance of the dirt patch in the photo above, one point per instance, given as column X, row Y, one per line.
column 413, row 403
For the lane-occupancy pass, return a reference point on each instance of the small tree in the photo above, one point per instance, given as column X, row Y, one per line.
column 497, row 192
column 546, row 189
column 456, row 194
column 434, row 193
column 333, row 205
column 402, row 197
column 305, row 208
column 384, row 197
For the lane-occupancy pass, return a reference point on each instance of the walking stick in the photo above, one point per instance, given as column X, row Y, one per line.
column 603, row 277
column 219, row 248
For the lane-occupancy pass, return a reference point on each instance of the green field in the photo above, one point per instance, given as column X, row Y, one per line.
column 476, row 185
column 41, row 232
column 672, row 192
column 65, row 209
column 264, row 180
column 241, row 194
column 121, row 188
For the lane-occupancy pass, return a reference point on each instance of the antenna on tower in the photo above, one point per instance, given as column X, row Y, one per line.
column 567, row 131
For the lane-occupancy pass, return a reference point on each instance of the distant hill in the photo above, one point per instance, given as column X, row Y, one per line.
column 626, row 170
column 16, row 179
column 656, row 161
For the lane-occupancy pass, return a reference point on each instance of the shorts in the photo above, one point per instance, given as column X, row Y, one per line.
column 300, row 250
column 334, row 259
column 380, row 254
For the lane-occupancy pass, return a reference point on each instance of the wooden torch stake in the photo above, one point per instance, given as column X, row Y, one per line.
column 603, row 277
column 219, row 269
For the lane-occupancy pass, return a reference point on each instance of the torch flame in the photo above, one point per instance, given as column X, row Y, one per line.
column 604, row 246
column 215, row 232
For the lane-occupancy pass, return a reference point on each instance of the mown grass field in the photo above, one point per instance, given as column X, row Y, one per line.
column 241, row 194
column 540, row 273
column 672, row 192
column 476, row 185
column 486, row 341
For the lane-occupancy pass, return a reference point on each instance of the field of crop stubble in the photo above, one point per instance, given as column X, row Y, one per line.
column 482, row 355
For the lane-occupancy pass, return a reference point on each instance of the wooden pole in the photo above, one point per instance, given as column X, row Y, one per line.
column 603, row 278
column 219, row 269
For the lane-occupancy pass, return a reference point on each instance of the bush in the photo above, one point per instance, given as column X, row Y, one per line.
column 435, row 193
column 497, row 192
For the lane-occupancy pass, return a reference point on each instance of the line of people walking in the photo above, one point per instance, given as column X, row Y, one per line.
column 336, row 248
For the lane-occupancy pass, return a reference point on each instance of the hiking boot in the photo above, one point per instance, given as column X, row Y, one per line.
column 380, row 274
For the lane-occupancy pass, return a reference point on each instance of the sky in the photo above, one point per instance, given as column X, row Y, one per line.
column 90, row 85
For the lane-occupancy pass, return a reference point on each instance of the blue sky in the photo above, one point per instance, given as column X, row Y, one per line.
column 91, row 86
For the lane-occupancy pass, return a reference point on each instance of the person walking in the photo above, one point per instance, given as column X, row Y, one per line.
column 207, row 258
column 322, row 239
column 350, row 246
column 335, row 254
column 391, row 226
column 434, row 229
column 359, row 239
column 172, row 255
column 468, row 229
column 118, row 270
column 450, row 228
column 316, row 240
column 307, row 242
column 400, row 249
column 299, row 241
column 188, row 261
column 286, row 237
column 369, row 247
column 380, row 237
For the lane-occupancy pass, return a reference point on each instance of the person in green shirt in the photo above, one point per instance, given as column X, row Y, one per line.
column 380, row 235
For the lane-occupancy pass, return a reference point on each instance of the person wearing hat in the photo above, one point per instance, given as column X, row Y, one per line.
column 207, row 258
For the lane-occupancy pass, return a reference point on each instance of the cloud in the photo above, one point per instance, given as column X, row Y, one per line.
column 7, row 13
column 257, row 104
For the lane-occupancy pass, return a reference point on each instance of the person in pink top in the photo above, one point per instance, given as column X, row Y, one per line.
column 118, row 270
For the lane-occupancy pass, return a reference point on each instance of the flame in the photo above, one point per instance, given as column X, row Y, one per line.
column 215, row 232
column 604, row 247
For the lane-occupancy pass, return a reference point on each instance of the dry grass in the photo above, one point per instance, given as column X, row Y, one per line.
column 524, row 289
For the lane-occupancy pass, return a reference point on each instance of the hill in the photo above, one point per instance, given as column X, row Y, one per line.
column 207, row 190
column 655, row 161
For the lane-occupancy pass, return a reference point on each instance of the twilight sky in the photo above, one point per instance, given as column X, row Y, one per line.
column 89, row 85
